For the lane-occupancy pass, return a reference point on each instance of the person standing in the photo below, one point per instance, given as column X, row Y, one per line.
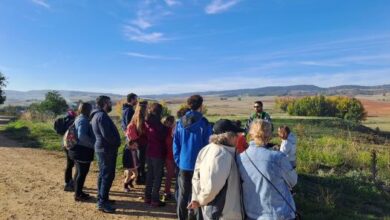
column 61, row 125
column 169, row 122
column 128, row 110
column 216, row 181
column 289, row 144
column 259, row 114
column 156, row 133
column 191, row 134
column 82, row 153
column 267, row 177
column 106, row 148
column 136, row 136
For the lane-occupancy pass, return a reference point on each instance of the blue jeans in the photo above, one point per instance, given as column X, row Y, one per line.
column 107, row 166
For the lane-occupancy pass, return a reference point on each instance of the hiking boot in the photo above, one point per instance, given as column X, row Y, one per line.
column 106, row 208
column 157, row 204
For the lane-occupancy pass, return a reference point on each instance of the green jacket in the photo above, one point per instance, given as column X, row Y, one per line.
column 263, row 115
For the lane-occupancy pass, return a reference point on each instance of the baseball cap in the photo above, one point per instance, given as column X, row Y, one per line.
column 225, row 125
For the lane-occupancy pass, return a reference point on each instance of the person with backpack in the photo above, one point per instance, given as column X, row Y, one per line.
column 61, row 125
column 106, row 149
column 191, row 134
column 266, row 176
column 259, row 114
column 136, row 137
column 83, row 151
column 216, row 181
column 156, row 133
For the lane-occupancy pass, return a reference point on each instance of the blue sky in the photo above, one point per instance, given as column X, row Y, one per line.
column 171, row 46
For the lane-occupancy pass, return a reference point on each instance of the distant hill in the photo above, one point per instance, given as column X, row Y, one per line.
column 28, row 97
column 296, row 90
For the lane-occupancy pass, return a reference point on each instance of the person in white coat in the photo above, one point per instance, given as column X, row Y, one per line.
column 216, row 182
column 289, row 144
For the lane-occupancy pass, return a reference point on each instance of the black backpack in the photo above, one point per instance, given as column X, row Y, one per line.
column 62, row 124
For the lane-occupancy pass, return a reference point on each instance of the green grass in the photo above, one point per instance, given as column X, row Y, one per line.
column 334, row 160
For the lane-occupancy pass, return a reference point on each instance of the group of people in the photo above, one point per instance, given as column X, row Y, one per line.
column 219, row 174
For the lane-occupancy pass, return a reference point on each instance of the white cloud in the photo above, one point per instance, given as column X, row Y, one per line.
column 172, row 2
column 135, row 34
column 141, row 23
column 218, row 6
column 41, row 3
column 148, row 56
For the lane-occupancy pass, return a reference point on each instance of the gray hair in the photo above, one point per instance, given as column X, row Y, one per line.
column 222, row 139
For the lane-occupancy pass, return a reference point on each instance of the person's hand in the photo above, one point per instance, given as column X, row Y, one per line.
column 133, row 145
column 193, row 205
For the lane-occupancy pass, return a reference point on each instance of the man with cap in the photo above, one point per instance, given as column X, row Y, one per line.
column 216, row 183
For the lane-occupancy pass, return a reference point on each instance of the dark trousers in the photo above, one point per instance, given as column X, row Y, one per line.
column 107, row 166
column 142, row 161
column 184, row 195
column 69, row 167
column 154, row 178
column 82, row 171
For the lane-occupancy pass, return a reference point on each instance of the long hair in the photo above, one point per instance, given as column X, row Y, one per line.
column 154, row 112
column 260, row 132
column 139, row 116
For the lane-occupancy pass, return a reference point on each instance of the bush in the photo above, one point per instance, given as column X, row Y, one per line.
column 350, row 109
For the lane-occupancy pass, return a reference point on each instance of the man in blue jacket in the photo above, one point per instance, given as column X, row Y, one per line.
column 106, row 148
column 191, row 135
column 128, row 110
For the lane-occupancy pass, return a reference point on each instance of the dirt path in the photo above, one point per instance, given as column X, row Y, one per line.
column 31, row 187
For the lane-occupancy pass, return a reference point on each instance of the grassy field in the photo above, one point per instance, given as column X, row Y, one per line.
column 334, row 165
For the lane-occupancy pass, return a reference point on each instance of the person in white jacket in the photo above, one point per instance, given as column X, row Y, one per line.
column 215, row 183
column 289, row 144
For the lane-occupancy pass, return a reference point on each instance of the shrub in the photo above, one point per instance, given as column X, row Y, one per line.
column 350, row 109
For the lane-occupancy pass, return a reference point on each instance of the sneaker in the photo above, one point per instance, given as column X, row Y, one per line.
column 69, row 187
column 131, row 184
column 157, row 204
column 126, row 187
column 82, row 197
column 106, row 208
column 167, row 196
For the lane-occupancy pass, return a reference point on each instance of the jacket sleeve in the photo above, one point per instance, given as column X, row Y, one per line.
column 83, row 133
column 218, row 171
column 288, row 173
column 176, row 145
column 207, row 132
column 285, row 147
column 109, row 131
column 248, row 124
